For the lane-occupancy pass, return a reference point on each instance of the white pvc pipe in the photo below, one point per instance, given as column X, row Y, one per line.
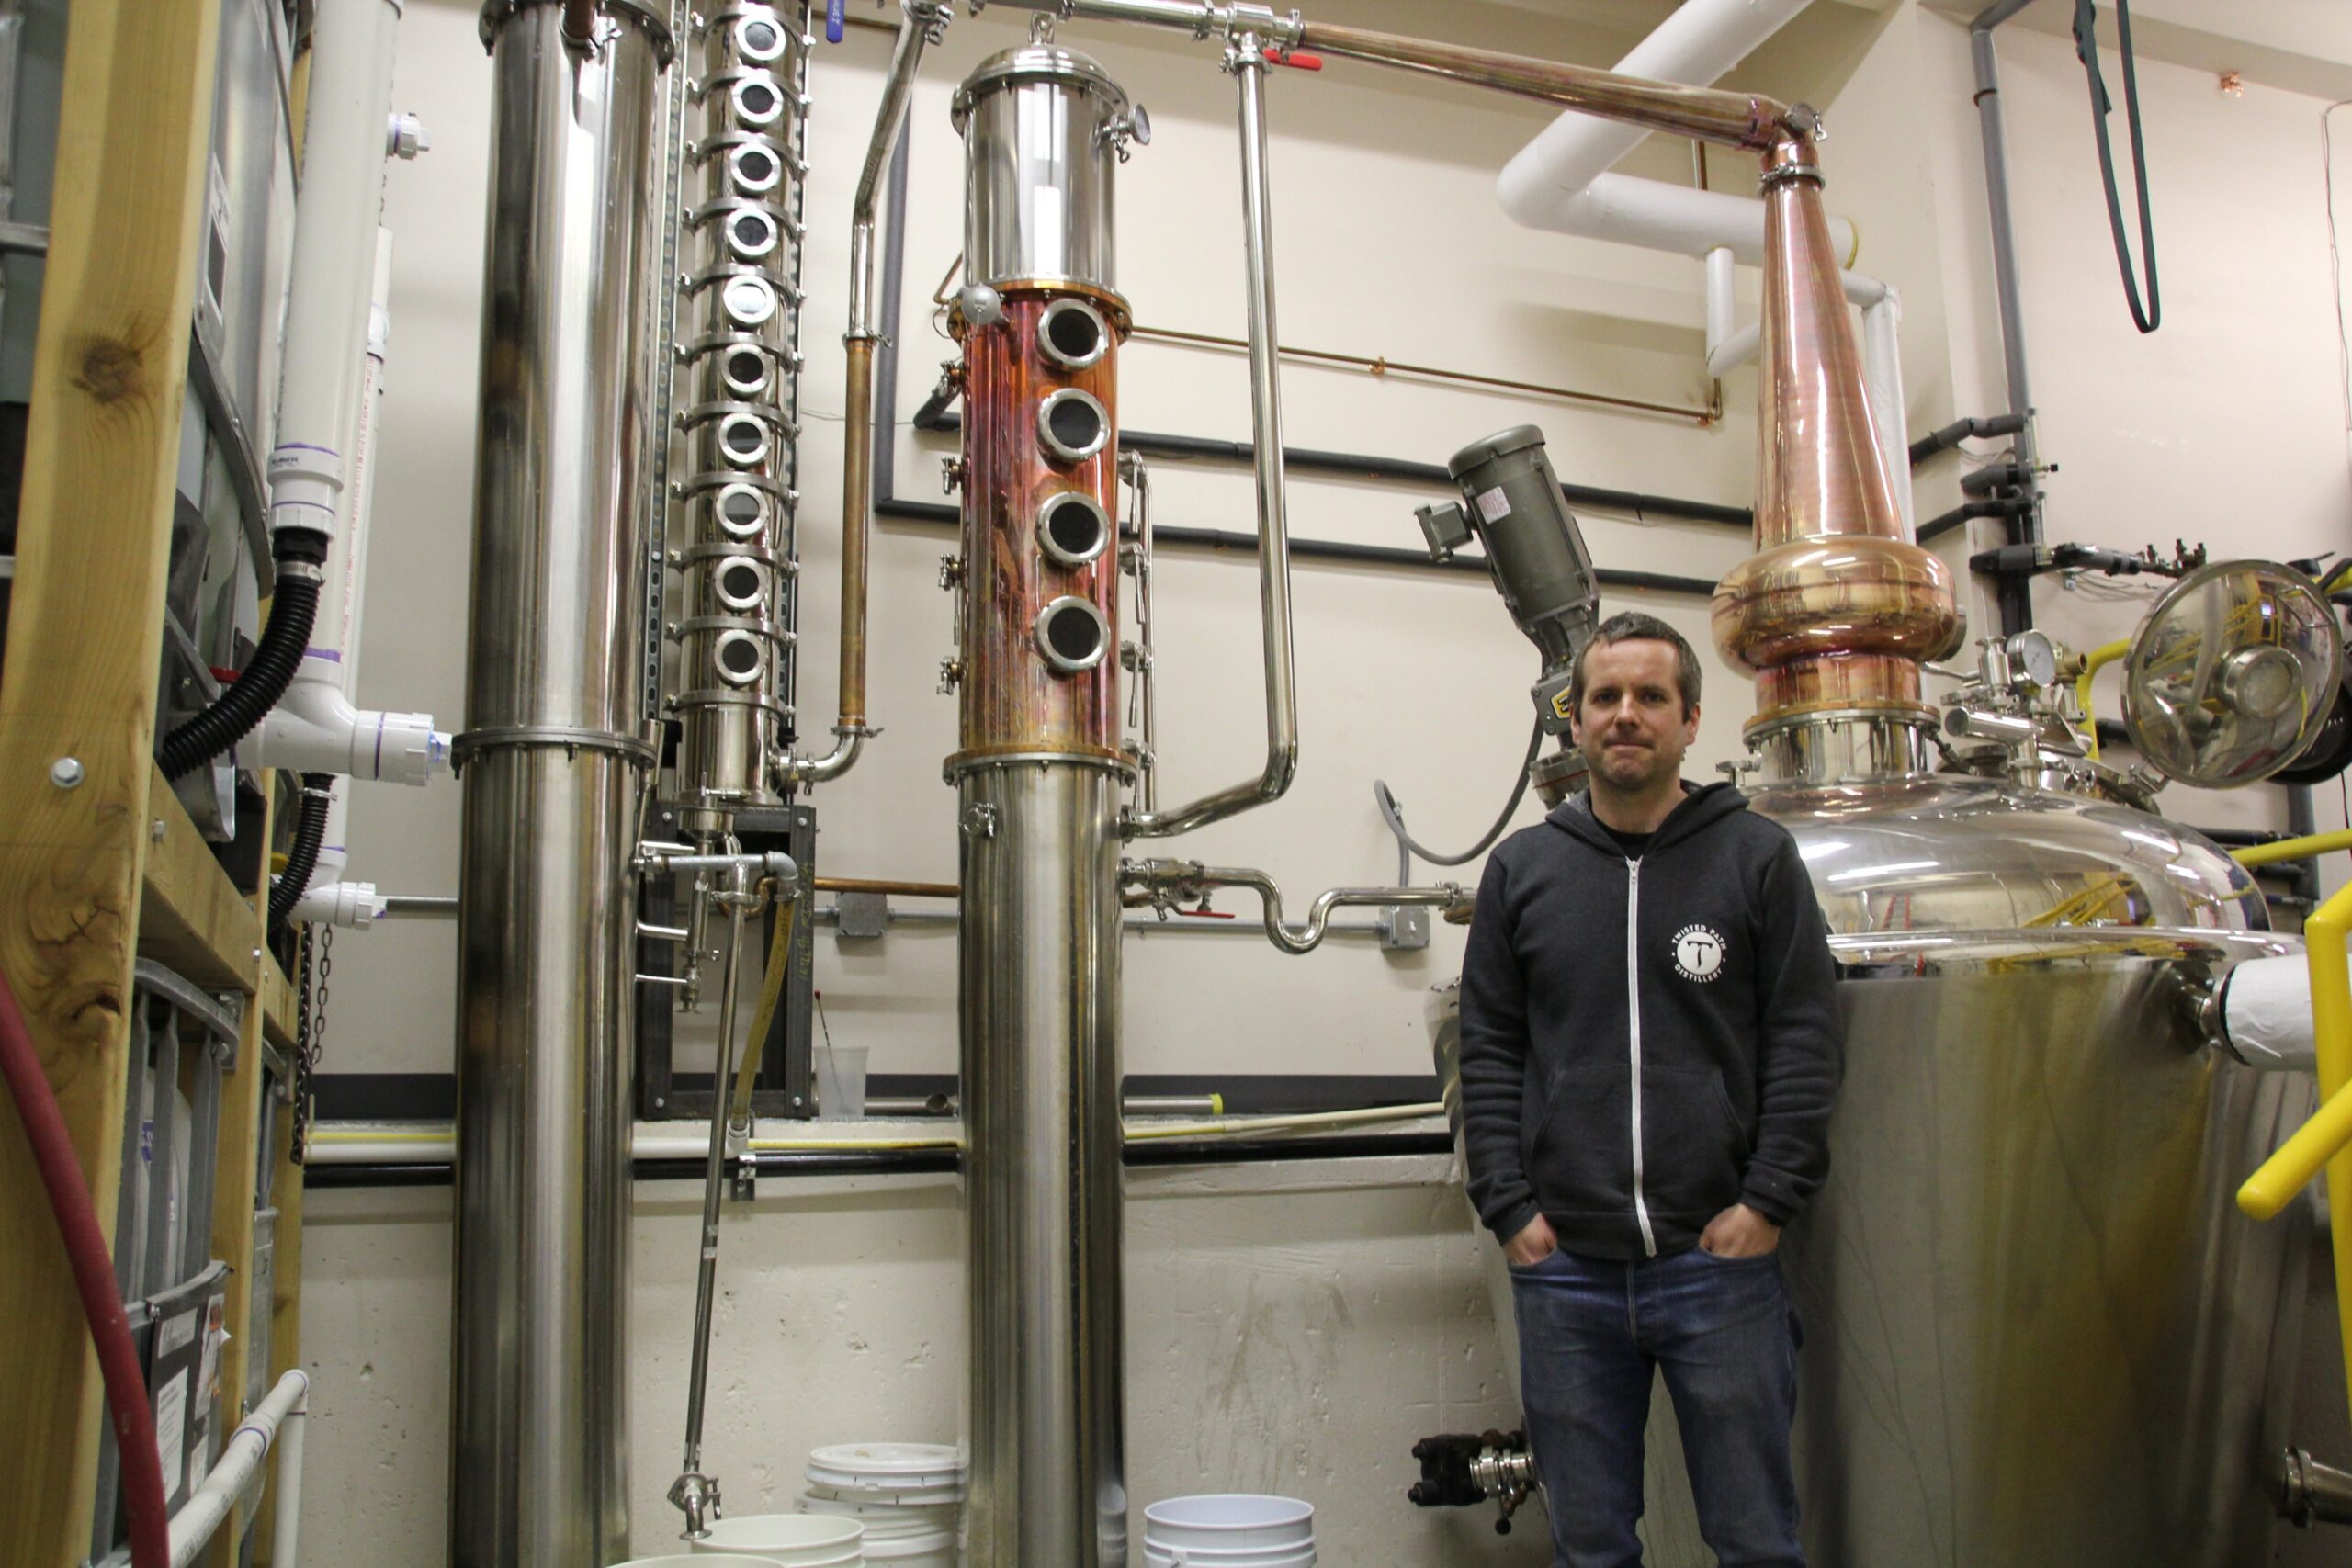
column 1679, row 218
column 1560, row 181
column 1883, row 381
column 282, row 1410
column 330, row 387
column 1699, row 42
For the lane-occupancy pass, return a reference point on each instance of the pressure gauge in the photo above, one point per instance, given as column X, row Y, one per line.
column 2034, row 659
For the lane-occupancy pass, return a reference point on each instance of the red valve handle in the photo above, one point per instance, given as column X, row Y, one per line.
column 1296, row 59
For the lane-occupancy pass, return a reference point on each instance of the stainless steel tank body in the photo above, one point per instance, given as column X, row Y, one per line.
column 1037, row 774
column 554, row 763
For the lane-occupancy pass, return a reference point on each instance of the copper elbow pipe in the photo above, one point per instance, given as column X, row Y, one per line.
column 1839, row 605
column 580, row 22
column 1733, row 119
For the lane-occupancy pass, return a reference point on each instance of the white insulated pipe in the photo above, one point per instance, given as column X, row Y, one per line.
column 328, row 391
column 277, row 1421
column 1560, row 181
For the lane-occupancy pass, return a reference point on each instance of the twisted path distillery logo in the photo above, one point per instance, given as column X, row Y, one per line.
column 1698, row 954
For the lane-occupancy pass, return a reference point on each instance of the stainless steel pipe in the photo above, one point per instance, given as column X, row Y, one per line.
column 1273, row 516
column 1167, row 882
column 553, row 758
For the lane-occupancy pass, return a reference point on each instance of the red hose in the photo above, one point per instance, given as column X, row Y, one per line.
column 85, row 1249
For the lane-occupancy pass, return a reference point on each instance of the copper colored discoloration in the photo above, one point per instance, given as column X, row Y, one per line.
column 1838, row 607
column 1013, row 701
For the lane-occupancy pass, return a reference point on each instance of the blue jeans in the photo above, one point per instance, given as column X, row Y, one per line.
column 1591, row 1332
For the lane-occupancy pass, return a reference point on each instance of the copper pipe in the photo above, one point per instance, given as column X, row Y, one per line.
column 887, row 886
column 1838, row 606
column 580, row 22
column 1384, row 366
column 857, row 495
column 1735, row 120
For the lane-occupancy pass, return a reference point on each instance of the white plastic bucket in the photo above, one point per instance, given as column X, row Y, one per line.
column 1230, row 1522
column 792, row 1540
column 1248, row 1557
column 885, row 1521
column 887, row 1472
column 701, row 1560
column 931, row 1549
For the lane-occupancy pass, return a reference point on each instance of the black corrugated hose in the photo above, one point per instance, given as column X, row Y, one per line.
column 294, row 605
column 303, row 858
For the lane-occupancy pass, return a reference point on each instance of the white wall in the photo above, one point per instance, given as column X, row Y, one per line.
column 1292, row 1339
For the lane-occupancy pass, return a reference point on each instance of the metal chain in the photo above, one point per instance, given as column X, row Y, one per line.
column 302, row 1043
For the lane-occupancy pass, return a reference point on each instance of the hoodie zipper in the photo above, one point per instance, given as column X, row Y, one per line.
column 1634, row 1040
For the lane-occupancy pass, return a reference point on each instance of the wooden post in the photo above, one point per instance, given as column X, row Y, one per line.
column 85, row 641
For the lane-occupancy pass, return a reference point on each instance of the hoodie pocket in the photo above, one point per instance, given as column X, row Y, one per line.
column 1693, row 1147
column 1579, row 1152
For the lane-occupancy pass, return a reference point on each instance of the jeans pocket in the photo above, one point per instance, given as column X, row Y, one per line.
column 1537, row 1267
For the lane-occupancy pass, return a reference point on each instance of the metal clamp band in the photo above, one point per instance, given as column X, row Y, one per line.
column 501, row 737
column 496, row 13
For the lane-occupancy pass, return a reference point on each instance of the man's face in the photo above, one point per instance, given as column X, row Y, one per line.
column 1631, row 723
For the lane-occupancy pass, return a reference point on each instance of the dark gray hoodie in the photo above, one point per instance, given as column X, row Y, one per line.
column 1646, row 1042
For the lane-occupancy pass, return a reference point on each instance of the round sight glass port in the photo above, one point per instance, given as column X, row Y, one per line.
column 759, row 39
column 751, row 235
column 742, row 511
column 743, row 441
column 740, row 584
column 755, row 169
column 745, row 371
column 1072, row 528
column 749, row 302
column 758, row 101
column 1072, row 635
column 1072, row 334
column 1072, row 425
column 739, row 657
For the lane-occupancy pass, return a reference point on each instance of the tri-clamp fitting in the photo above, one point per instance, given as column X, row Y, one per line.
column 695, row 1495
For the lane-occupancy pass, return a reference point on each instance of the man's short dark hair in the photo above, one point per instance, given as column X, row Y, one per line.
column 1632, row 626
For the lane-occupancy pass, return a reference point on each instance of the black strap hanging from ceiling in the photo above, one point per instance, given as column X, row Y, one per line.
column 2086, row 49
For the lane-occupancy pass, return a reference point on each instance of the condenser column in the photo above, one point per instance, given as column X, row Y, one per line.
column 553, row 760
column 1038, row 776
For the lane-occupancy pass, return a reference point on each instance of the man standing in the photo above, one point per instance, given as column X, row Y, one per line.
column 1650, row 1051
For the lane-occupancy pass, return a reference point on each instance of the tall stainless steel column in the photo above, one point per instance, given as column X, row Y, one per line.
column 1038, row 775
column 553, row 758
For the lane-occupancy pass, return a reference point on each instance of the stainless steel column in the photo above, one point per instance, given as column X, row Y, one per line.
column 1044, row 1234
column 553, row 761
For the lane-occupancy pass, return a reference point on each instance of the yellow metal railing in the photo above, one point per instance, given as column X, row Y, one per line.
column 2321, row 1143
column 2293, row 849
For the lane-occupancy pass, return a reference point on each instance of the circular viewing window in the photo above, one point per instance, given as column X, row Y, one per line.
column 739, row 657
column 1072, row 334
column 742, row 511
column 757, row 101
column 756, row 169
column 1072, row 425
column 741, row 584
column 1072, row 528
column 759, row 38
column 746, row 371
column 749, row 302
column 751, row 235
column 743, row 440
column 1072, row 635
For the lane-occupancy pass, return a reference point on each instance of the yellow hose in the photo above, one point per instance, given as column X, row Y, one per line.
column 1228, row 1125
column 2099, row 658
column 739, row 1104
column 2293, row 849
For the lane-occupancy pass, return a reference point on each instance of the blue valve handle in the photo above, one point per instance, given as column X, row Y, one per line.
column 833, row 19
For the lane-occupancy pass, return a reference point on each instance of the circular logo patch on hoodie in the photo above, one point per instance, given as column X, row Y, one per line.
column 1698, row 954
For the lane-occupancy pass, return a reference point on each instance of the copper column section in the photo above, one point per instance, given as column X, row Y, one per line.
column 1836, row 608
